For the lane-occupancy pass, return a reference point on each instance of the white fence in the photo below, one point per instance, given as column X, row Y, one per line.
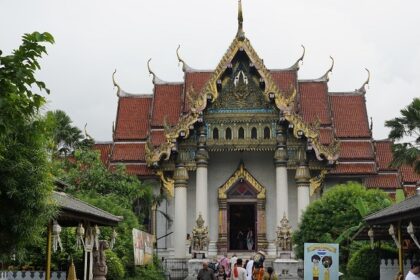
column 31, row 275
column 390, row 268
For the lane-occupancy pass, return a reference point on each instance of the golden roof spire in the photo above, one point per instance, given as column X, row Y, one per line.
column 240, row 33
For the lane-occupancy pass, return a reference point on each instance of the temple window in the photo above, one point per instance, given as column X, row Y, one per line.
column 241, row 133
column 228, row 134
column 254, row 133
column 266, row 132
column 215, row 133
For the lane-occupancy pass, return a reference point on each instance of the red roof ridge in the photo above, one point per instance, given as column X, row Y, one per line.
column 347, row 93
column 382, row 140
column 129, row 142
column 311, row 81
column 124, row 94
column 357, row 139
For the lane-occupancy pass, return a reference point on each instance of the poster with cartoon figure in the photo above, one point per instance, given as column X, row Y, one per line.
column 321, row 261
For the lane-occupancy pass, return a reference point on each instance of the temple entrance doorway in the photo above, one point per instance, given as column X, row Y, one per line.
column 241, row 213
column 242, row 229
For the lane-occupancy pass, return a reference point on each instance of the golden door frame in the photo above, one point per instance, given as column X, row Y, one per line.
column 241, row 174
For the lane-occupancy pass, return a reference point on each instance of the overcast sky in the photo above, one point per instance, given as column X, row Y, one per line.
column 95, row 37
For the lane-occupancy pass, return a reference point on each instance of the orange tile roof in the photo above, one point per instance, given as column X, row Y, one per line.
column 354, row 169
column 104, row 151
column 128, row 152
column 383, row 181
column 166, row 103
column 384, row 154
column 326, row 135
column 197, row 80
column 410, row 191
column 349, row 115
column 356, row 150
column 284, row 79
column 141, row 170
column 408, row 174
column 157, row 137
column 132, row 118
column 314, row 102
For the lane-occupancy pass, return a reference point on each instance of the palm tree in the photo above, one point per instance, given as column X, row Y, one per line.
column 407, row 130
column 66, row 136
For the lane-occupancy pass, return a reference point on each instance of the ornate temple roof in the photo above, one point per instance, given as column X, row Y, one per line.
column 327, row 117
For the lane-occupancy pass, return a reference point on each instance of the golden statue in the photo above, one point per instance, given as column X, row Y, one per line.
column 284, row 235
column 200, row 237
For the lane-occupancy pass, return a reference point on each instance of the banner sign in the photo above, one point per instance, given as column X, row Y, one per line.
column 143, row 247
column 321, row 261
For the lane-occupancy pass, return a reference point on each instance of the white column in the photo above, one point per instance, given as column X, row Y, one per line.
column 201, row 194
column 280, row 161
column 302, row 183
column 282, row 194
column 180, row 213
column 180, row 222
column 303, row 199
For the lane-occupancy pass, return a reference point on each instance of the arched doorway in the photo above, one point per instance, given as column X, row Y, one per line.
column 241, row 213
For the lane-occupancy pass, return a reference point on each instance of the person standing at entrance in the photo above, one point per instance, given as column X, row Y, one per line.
column 239, row 273
column 414, row 272
column 250, row 239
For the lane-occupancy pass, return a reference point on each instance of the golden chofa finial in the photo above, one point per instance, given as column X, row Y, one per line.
column 115, row 83
column 156, row 80
column 298, row 62
column 185, row 66
column 240, row 34
column 86, row 133
column 362, row 89
column 325, row 77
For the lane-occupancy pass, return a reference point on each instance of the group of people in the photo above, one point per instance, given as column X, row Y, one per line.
column 236, row 269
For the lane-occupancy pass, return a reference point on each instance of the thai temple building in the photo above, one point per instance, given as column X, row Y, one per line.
column 244, row 146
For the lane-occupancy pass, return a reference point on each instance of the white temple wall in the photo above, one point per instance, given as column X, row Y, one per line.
column 222, row 165
column 191, row 202
column 293, row 213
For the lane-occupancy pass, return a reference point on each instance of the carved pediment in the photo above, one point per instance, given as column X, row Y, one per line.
column 241, row 183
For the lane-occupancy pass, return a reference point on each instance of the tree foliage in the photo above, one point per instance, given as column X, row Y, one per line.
column 327, row 218
column 66, row 137
column 406, row 128
column 365, row 262
column 113, row 191
column 26, row 182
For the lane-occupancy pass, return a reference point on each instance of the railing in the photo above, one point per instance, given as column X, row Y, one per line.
column 175, row 269
column 31, row 275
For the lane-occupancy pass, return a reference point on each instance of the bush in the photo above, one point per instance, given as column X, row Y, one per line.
column 364, row 263
column 152, row 271
column 116, row 269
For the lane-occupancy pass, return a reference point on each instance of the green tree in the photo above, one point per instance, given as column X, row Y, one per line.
column 327, row 218
column 26, row 182
column 406, row 128
column 113, row 191
column 66, row 136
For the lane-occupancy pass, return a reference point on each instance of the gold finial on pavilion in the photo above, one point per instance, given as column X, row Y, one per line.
column 155, row 80
column 362, row 89
column 325, row 77
column 185, row 66
column 298, row 62
column 115, row 83
column 240, row 34
column 86, row 133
